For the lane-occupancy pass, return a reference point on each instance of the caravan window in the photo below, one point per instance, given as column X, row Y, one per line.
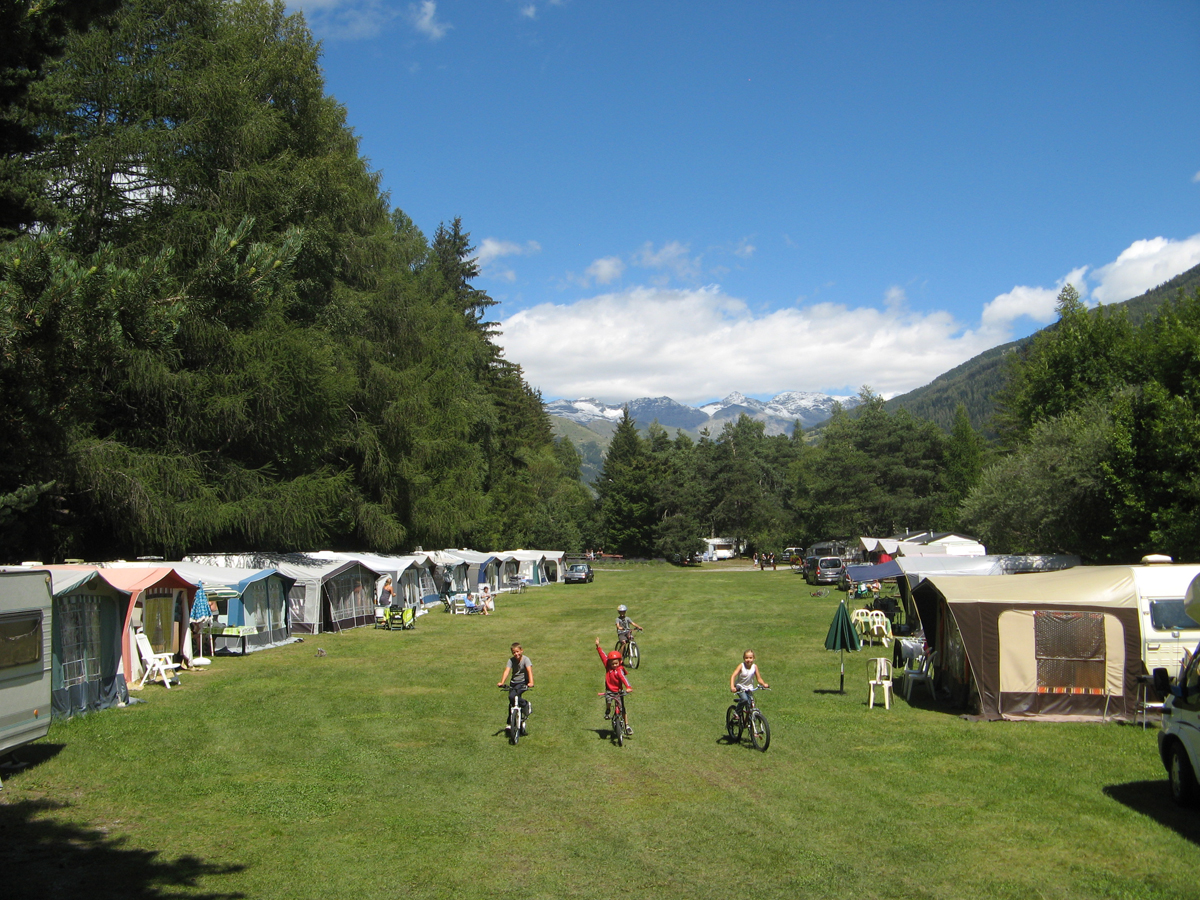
column 1168, row 615
column 20, row 638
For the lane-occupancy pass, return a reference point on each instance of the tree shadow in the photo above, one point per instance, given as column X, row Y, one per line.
column 46, row 858
column 1153, row 799
column 827, row 691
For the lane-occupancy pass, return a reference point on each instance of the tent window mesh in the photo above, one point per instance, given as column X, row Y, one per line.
column 347, row 596
column 78, row 619
column 1069, row 647
column 158, row 617
column 20, row 639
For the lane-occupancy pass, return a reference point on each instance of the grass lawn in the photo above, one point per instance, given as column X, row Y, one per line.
column 381, row 769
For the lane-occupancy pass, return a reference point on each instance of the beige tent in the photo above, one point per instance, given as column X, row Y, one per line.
column 1055, row 645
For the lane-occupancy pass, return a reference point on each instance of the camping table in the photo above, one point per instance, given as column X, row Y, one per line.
column 238, row 631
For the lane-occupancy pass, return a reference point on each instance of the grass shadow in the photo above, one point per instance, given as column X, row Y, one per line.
column 1153, row 800
column 827, row 691
column 44, row 857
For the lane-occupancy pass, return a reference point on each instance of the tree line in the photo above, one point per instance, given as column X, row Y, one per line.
column 1098, row 454
column 216, row 332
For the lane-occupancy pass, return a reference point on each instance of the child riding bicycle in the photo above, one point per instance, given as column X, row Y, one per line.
column 741, row 682
column 521, row 670
column 614, row 682
column 625, row 626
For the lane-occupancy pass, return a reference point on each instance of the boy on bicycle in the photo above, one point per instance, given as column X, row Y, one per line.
column 521, row 670
column 625, row 626
column 741, row 682
column 614, row 682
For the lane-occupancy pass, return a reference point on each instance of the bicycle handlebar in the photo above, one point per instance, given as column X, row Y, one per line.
column 519, row 687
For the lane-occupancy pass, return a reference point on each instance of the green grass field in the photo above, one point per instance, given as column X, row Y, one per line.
column 381, row 770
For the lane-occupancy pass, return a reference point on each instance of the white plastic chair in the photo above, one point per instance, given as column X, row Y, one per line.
column 879, row 628
column 879, row 675
column 859, row 619
column 156, row 665
column 923, row 675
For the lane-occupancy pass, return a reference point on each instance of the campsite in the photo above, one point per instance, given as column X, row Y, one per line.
column 380, row 769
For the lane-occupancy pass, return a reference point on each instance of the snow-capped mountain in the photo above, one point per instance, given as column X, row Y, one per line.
column 778, row 413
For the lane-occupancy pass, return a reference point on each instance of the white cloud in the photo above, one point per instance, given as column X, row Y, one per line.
column 696, row 344
column 529, row 12
column 345, row 19
column 671, row 257
column 491, row 249
column 1037, row 303
column 424, row 19
column 1196, row 178
column 744, row 249
column 1144, row 265
column 606, row 270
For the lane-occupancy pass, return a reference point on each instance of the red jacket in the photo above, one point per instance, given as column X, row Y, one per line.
column 614, row 678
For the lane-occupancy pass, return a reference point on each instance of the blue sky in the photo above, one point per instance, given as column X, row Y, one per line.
column 690, row 199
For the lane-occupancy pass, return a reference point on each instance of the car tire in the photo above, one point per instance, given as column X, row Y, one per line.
column 1184, row 789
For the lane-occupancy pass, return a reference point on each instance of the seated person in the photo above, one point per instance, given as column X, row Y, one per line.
column 485, row 602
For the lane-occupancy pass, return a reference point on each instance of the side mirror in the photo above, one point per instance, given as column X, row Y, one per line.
column 1162, row 682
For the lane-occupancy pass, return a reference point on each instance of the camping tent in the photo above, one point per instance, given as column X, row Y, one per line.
column 555, row 570
column 1056, row 645
column 160, row 602
column 530, row 566
column 326, row 595
column 484, row 568
column 412, row 576
column 86, row 645
column 252, row 604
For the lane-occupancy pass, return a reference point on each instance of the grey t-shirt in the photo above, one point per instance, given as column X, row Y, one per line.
column 520, row 670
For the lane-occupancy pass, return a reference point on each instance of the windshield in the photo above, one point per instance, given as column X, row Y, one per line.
column 830, row 562
column 1168, row 615
column 578, row 568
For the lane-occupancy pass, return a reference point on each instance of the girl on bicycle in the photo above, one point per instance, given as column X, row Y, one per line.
column 741, row 682
column 614, row 682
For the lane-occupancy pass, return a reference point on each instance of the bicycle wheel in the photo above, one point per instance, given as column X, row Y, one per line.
column 618, row 724
column 733, row 723
column 632, row 655
column 760, row 731
column 514, row 725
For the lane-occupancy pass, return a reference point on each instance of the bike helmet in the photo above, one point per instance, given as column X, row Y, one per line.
column 614, row 655
column 622, row 608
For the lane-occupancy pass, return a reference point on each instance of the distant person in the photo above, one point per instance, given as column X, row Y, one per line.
column 387, row 596
column 486, row 601
column 625, row 626
column 521, row 670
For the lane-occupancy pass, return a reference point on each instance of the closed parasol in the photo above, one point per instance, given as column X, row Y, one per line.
column 842, row 637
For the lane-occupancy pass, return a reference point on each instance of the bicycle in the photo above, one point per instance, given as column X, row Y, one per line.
column 747, row 717
column 822, row 592
column 631, row 657
column 619, row 726
column 516, row 712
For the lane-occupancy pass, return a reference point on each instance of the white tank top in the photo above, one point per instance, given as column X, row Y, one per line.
column 745, row 677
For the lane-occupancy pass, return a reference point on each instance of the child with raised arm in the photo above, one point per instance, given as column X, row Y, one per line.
column 614, row 682
column 741, row 682
column 521, row 670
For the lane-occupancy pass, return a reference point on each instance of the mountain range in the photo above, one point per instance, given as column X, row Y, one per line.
column 778, row 414
column 589, row 423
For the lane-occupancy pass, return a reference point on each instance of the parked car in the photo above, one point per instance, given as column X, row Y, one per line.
column 580, row 573
column 1179, row 737
column 825, row 570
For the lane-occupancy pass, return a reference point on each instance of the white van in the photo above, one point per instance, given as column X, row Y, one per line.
column 1179, row 736
column 1168, row 632
column 25, row 604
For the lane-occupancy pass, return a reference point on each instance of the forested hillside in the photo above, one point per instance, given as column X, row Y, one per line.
column 977, row 382
column 216, row 332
